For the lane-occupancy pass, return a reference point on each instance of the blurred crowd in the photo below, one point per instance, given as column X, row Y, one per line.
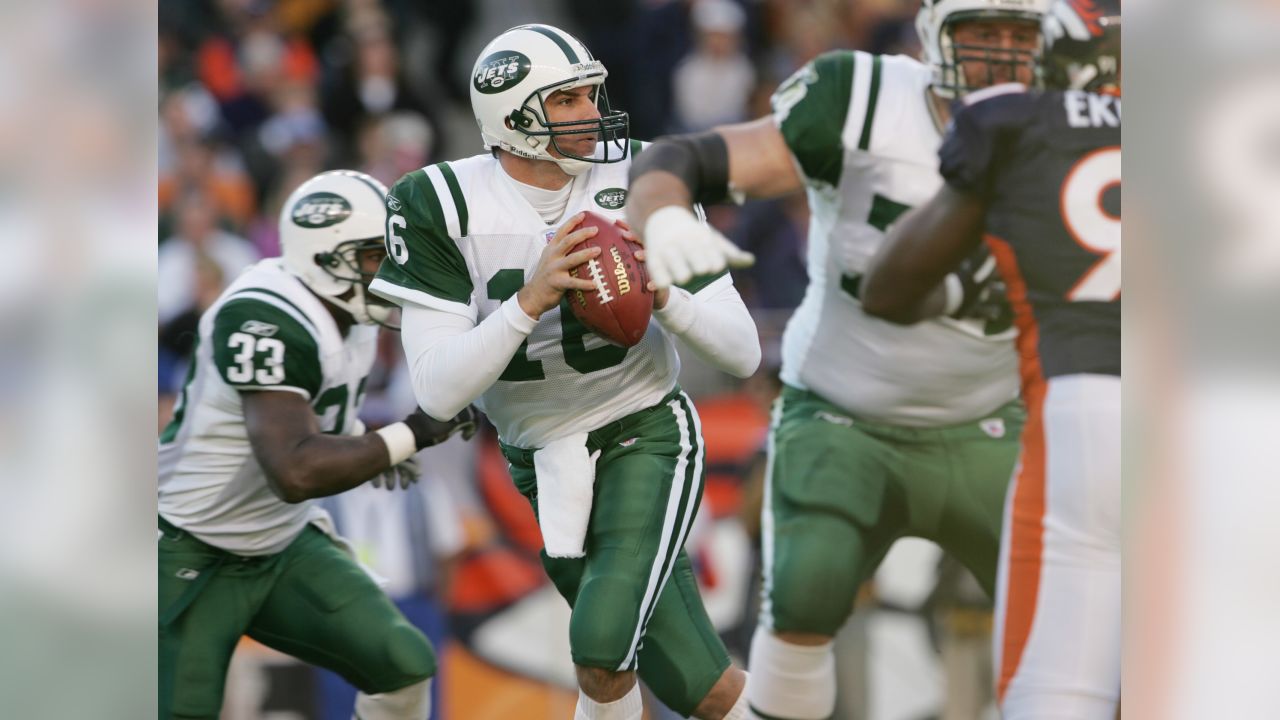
column 258, row 95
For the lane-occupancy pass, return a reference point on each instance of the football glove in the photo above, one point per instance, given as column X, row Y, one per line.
column 403, row 475
column 678, row 247
column 975, row 290
column 428, row 431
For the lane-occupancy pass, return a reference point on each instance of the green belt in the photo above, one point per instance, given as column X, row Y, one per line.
column 598, row 439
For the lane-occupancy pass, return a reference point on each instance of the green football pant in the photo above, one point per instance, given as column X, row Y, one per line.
column 634, row 599
column 311, row 601
column 841, row 490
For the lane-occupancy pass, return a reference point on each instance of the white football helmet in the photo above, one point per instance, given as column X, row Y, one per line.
column 324, row 224
column 511, row 80
column 935, row 22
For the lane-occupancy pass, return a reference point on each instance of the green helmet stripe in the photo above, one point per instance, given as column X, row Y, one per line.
column 555, row 37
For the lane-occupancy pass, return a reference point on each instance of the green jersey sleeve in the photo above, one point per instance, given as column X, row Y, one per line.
column 259, row 346
column 810, row 109
column 425, row 212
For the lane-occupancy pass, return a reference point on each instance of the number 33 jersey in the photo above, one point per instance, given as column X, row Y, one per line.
column 1049, row 166
column 265, row 333
column 462, row 238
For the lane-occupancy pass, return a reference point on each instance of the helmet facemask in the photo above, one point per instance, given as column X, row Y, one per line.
column 954, row 73
column 344, row 264
column 612, row 128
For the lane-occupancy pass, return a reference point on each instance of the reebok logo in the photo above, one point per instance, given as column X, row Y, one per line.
column 187, row 574
column 259, row 328
column 833, row 418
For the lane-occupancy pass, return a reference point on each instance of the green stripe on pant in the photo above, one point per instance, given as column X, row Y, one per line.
column 634, row 599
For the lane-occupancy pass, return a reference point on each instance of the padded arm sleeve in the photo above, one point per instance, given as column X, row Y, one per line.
column 715, row 323
column 452, row 360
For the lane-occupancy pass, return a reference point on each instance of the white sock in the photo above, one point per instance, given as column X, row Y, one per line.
column 407, row 703
column 791, row 681
column 627, row 707
column 741, row 709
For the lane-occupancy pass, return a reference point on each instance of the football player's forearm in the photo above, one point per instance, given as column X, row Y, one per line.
column 904, row 281
column 716, row 325
column 322, row 465
column 452, row 362
column 651, row 191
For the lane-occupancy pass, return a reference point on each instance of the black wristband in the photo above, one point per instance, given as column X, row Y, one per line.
column 701, row 161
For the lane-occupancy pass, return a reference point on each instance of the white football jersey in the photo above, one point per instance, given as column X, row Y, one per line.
column 462, row 238
column 863, row 137
column 266, row 332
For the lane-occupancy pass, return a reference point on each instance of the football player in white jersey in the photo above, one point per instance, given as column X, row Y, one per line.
column 882, row 431
column 266, row 421
column 599, row 437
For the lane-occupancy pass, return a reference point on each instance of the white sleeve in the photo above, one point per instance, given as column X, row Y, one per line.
column 452, row 360
column 716, row 324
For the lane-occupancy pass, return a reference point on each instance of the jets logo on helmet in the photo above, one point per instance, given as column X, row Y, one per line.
column 511, row 81
column 935, row 25
column 1082, row 46
column 499, row 71
column 319, row 210
column 326, row 226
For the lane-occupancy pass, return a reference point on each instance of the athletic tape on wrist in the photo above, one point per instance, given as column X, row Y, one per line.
column 401, row 445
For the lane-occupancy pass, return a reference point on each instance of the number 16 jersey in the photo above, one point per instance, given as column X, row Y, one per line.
column 462, row 238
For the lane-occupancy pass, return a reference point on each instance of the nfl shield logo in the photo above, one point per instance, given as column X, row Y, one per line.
column 993, row 427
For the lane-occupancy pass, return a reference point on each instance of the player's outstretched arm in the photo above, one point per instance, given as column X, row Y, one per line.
column 678, row 171
column 907, row 279
column 301, row 462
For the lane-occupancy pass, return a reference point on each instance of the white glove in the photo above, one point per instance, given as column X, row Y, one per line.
column 677, row 247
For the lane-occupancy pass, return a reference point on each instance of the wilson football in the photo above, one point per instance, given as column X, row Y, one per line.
column 618, row 310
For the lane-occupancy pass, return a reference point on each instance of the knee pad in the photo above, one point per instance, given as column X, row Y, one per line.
column 409, row 652
column 797, row 682
column 407, row 703
column 602, row 630
column 790, row 603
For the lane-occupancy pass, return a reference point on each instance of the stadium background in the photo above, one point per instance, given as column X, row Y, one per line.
column 256, row 96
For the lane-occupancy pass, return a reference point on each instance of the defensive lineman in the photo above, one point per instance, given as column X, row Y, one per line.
column 266, row 421
column 881, row 431
column 1039, row 174
column 599, row 438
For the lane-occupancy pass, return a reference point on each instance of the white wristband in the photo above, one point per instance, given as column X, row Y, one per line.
column 955, row 293
column 678, row 314
column 401, row 445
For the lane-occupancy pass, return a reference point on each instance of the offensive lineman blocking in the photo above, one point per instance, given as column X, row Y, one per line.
column 1039, row 174
column 881, row 431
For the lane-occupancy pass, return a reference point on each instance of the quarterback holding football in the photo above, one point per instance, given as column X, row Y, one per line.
column 599, row 437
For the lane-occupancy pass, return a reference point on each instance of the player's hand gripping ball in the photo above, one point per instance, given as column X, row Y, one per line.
column 618, row 310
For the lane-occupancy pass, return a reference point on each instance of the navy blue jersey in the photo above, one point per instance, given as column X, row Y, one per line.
column 1048, row 165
